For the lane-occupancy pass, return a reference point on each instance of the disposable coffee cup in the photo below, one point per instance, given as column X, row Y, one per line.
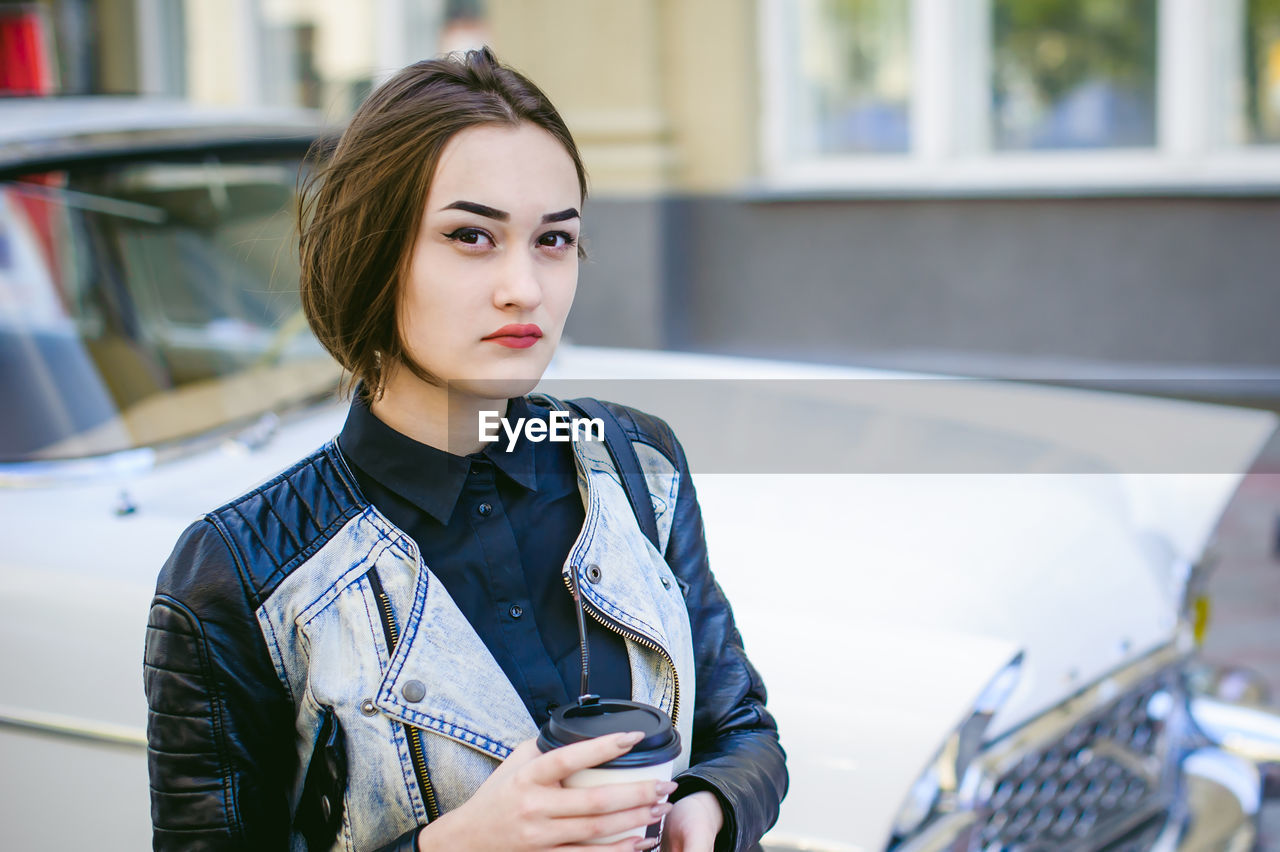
column 650, row 759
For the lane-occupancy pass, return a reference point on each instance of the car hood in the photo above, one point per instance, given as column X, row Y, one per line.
column 884, row 564
column 861, row 709
column 79, row 572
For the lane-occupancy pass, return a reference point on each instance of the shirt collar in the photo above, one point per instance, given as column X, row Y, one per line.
column 430, row 478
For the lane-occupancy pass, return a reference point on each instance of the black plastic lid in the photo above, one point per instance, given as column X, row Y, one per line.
column 577, row 722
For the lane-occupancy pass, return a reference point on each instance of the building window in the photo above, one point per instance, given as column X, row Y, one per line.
column 850, row 76
column 1021, row 95
column 1073, row 74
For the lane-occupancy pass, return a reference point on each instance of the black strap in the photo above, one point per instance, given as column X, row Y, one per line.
column 625, row 461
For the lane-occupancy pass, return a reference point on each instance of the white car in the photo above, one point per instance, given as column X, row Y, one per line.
column 974, row 604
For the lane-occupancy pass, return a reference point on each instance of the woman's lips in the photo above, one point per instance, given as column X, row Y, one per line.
column 516, row 336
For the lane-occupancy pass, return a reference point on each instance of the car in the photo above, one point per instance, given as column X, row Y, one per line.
column 977, row 610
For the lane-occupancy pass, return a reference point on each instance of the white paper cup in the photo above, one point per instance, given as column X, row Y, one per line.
column 651, row 759
column 600, row 777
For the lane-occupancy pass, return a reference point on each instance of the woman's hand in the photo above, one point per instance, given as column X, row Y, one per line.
column 521, row 807
column 693, row 824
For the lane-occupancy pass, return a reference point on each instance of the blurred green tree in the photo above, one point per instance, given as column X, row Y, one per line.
column 1262, row 70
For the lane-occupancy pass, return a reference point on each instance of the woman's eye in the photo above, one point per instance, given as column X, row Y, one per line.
column 556, row 239
column 469, row 236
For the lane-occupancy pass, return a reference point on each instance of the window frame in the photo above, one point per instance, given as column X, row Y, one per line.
column 949, row 151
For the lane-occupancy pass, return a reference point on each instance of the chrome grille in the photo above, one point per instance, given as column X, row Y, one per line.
column 1091, row 785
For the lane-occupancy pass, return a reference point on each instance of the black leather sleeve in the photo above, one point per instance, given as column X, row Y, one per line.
column 220, row 740
column 220, row 737
column 735, row 751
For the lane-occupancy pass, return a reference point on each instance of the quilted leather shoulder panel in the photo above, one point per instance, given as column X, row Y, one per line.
column 281, row 523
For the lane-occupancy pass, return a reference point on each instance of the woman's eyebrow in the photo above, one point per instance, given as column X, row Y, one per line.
column 503, row 216
column 479, row 209
column 571, row 213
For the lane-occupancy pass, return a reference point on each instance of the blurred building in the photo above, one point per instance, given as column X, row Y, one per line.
column 1052, row 188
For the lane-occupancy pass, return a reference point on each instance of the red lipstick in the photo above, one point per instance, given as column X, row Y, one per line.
column 516, row 336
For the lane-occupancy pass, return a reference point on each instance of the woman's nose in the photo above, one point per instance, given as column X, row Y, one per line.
column 518, row 285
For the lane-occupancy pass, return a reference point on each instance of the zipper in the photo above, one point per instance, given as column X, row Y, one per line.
column 605, row 622
column 416, row 753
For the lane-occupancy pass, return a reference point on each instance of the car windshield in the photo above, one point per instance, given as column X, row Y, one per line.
column 149, row 302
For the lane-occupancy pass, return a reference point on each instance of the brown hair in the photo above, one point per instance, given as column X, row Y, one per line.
column 359, row 212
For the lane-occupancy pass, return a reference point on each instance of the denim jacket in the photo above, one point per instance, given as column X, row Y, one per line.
column 298, row 606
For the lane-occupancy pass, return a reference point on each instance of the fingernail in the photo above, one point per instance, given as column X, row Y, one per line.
column 647, row 843
column 666, row 788
column 631, row 738
column 660, row 810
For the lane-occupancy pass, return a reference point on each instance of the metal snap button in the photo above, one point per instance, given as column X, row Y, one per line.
column 368, row 708
column 666, row 584
column 593, row 573
column 325, row 808
column 516, row 610
column 413, row 690
column 484, row 509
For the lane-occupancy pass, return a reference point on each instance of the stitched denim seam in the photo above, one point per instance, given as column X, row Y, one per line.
column 450, row 730
column 277, row 659
column 589, row 522
column 379, row 641
column 339, row 584
column 411, row 624
column 649, row 631
column 390, row 531
column 407, row 771
column 593, row 518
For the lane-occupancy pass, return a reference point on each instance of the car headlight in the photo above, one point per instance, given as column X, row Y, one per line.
column 942, row 777
column 919, row 804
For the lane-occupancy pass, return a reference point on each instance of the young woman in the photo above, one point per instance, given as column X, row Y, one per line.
column 358, row 653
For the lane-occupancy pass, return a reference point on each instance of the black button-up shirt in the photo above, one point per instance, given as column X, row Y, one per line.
column 495, row 527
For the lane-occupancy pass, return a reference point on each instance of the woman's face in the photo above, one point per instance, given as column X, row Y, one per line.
column 495, row 263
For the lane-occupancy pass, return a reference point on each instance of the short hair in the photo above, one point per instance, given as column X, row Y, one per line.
column 360, row 210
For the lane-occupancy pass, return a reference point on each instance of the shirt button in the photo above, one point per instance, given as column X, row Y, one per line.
column 516, row 611
column 484, row 509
